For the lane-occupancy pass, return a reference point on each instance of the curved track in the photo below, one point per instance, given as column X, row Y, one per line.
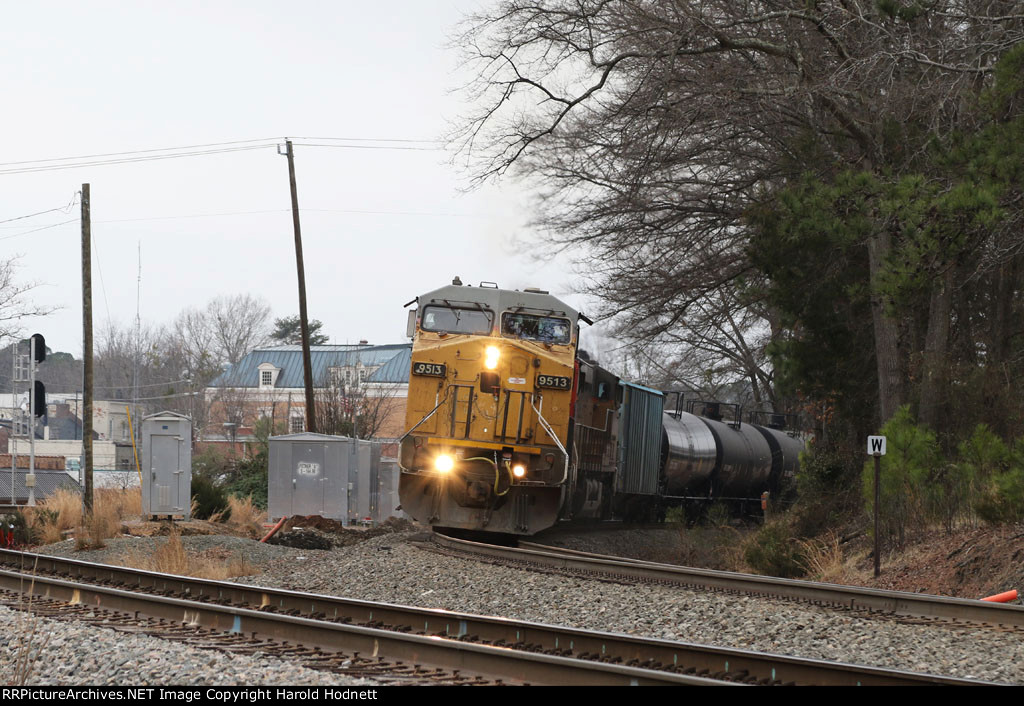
column 898, row 605
column 399, row 643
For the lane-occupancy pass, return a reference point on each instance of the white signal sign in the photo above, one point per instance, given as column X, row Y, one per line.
column 876, row 446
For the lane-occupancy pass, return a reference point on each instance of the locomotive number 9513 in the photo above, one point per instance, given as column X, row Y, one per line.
column 555, row 381
column 436, row 369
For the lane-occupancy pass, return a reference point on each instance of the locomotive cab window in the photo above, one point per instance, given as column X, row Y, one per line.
column 545, row 329
column 449, row 319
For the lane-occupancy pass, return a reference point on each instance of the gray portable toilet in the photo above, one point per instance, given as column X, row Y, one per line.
column 167, row 465
column 308, row 475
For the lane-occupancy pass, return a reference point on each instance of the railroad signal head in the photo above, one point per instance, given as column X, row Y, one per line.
column 39, row 400
column 39, row 348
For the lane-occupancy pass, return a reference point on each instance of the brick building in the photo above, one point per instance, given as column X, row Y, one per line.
column 360, row 390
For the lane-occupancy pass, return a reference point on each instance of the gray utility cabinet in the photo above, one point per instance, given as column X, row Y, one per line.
column 335, row 477
column 167, row 465
column 362, row 478
column 384, row 503
column 308, row 475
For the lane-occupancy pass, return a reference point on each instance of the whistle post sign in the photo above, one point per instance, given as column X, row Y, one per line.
column 876, row 446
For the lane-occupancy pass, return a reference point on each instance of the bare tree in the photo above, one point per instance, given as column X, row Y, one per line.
column 239, row 323
column 654, row 127
column 14, row 301
column 353, row 409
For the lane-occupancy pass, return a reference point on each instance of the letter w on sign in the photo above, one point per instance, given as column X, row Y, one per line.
column 876, row 446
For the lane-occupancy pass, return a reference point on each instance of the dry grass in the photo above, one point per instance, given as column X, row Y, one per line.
column 823, row 559
column 62, row 512
column 172, row 558
column 246, row 518
column 28, row 642
column 717, row 548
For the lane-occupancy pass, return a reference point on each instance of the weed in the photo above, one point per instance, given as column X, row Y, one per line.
column 774, row 551
column 245, row 516
column 171, row 557
column 822, row 558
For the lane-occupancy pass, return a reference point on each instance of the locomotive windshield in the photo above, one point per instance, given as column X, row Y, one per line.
column 450, row 319
column 545, row 329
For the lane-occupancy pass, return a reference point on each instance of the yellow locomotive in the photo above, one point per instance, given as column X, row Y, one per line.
column 512, row 429
column 491, row 388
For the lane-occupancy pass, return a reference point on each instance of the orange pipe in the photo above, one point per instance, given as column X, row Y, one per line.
column 1004, row 597
column 272, row 532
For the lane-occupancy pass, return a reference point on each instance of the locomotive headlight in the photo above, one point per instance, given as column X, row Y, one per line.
column 444, row 463
column 491, row 356
column 519, row 470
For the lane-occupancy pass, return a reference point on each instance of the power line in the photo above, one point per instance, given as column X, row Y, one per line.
column 368, row 212
column 269, row 141
column 365, row 139
column 368, row 147
column 285, row 210
column 129, row 160
column 36, row 230
column 131, row 156
column 67, row 208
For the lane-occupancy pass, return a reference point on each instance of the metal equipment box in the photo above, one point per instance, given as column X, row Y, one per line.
column 309, row 475
column 167, row 465
column 384, row 503
column 334, row 477
column 363, row 470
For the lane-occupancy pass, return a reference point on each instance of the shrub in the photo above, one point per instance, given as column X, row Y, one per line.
column 21, row 526
column 775, row 551
column 250, row 480
column 208, row 499
column 1001, row 494
column 826, row 488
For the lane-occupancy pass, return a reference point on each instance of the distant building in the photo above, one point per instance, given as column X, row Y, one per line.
column 360, row 381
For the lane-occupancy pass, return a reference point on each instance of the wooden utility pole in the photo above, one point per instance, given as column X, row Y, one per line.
column 87, row 348
column 307, row 365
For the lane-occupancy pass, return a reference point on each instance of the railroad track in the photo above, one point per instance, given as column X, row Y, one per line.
column 397, row 644
column 900, row 606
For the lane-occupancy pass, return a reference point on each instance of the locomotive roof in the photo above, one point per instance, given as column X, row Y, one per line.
column 499, row 300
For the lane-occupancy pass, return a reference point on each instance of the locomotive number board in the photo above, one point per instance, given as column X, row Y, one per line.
column 435, row 369
column 554, row 381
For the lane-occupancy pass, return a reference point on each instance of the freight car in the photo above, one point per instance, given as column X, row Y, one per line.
column 512, row 429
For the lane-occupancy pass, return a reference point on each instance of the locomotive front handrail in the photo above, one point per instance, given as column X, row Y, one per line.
column 428, row 416
column 551, row 433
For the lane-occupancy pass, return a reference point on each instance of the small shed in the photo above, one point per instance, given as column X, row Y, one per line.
column 167, row 465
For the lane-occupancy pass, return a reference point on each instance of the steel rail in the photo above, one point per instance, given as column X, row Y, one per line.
column 519, row 635
column 854, row 598
column 493, row 662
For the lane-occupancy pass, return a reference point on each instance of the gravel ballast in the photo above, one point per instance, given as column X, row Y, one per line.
column 389, row 568
column 64, row 653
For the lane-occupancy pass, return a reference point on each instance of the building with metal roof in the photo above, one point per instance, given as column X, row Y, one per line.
column 47, row 483
column 268, row 383
column 288, row 361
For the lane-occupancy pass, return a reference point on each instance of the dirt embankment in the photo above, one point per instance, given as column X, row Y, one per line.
column 971, row 563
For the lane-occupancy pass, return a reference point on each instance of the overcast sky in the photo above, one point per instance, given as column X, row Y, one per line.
column 379, row 226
